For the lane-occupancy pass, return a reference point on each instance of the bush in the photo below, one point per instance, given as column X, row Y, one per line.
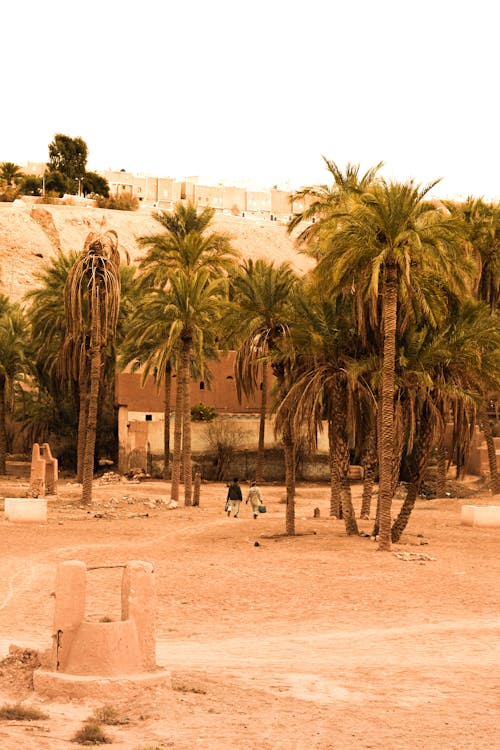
column 18, row 712
column 202, row 413
column 9, row 194
column 108, row 715
column 91, row 734
column 223, row 439
column 122, row 202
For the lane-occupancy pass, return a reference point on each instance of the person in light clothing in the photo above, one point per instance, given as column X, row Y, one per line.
column 255, row 498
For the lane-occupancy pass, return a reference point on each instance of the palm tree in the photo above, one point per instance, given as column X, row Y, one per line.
column 445, row 371
column 181, row 264
column 482, row 226
column 186, row 243
column 323, row 199
column 61, row 365
column 329, row 383
column 260, row 303
column 377, row 247
column 10, row 173
column 13, row 360
column 182, row 319
column 92, row 302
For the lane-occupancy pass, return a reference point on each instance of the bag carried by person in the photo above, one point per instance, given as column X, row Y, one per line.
column 227, row 506
column 262, row 509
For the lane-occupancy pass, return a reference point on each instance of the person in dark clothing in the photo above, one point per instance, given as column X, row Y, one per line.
column 234, row 498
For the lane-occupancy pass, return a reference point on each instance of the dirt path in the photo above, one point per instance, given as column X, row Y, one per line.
column 317, row 641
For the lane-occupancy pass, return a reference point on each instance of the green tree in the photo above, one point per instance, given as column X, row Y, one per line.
column 256, row 317
column 185, row 264
column 444, row 371
column 13, row 360
column 68, row 156
column 482, row 227
column 377, row 247
column 10, row 173
column 95, row 184
column 329, row 385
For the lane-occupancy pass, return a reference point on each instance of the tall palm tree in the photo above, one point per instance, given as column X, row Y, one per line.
column 92, row 302
column 181, row 318
column 188, row 243
column 376, row 247
column 61, row 365
column 187, row 259
column 323, row 199
column 260, row 305
column 13, row 360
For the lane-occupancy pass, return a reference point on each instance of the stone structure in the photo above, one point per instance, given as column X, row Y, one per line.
column 480, row 516
column 96, row 658
column 44, row 471
column 25, row 509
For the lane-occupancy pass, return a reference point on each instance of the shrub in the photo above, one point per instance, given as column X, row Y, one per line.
column 122, row 202
column 9, row 194
column 202, row 413
column 18, row 712
column 108, row 715
column 91, row 734
column 223, row 439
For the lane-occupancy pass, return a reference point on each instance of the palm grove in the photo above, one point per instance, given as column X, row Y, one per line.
column 390, row 338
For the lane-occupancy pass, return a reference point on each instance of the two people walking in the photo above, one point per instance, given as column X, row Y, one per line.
column 235, row 497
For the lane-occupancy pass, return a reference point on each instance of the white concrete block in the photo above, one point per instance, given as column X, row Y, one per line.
column 487, row 516
column 25, row 509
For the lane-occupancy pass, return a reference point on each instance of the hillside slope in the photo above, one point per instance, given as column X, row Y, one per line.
column 30, row 235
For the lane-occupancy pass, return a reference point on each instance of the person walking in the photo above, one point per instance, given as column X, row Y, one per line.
column 234, row 498
column 255, row 498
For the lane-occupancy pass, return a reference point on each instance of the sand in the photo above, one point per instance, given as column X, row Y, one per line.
column 274, row 642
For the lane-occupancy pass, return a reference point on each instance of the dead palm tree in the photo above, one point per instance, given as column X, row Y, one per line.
column 92, row 302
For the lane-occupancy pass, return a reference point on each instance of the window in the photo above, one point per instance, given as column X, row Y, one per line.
column 149, row 417
column 202, row 385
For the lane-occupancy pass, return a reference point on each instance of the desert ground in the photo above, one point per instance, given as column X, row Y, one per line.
column 273, row 642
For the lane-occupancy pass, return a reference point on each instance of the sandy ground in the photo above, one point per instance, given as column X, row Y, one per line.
column 316, row 641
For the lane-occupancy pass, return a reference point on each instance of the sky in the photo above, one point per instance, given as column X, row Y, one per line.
column 260, row 90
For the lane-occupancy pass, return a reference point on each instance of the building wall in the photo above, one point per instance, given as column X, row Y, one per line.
column 217, row 390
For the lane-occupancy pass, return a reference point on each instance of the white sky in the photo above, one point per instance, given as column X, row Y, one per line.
column 258, row 89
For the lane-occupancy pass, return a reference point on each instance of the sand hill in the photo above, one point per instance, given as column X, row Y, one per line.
column 31, row 234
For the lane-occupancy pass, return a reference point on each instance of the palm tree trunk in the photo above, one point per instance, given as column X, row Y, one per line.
column 342, row 455
column 484, row 423
column 441, row 464
column 335, row 488
column 289, row 451
column 166, row 417
column 176, row 458
column 421, row 458
column 259, row 469
column 83, row 409
column 397, row 453
column 95, row 378
column 3, row 431
column 389, row 302
column 186, row 423
column 369, row 468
